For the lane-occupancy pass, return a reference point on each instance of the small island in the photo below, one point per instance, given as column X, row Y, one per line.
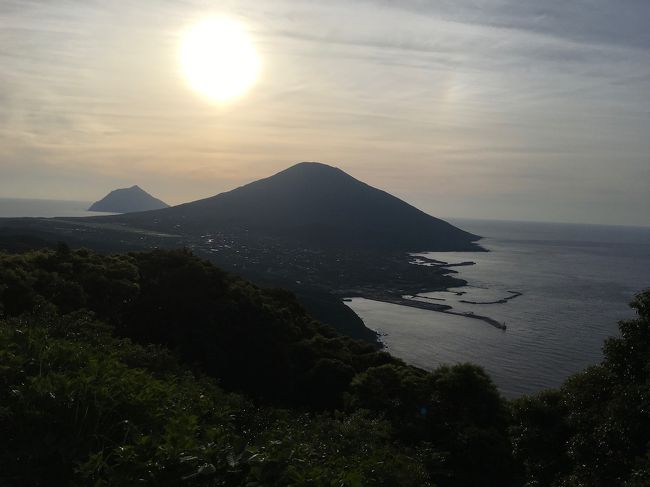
column 128, row 200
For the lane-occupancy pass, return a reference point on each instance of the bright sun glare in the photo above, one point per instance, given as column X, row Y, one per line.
column 219, row 59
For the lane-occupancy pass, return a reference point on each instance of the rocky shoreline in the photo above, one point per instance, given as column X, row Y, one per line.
column 415, row 300
column 440, row 308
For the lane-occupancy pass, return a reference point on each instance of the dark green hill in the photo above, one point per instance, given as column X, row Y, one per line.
column 250, row 340
column 315, row 205
column 258, row 341
column 128, row 200
column 125, row 370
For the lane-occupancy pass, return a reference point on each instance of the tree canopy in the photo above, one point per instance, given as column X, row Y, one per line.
column 158, row 368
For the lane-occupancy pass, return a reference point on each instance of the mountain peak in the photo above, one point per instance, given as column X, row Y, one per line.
column 312, row 165
column 312, row 168
column 128, row 200
column 314, row 204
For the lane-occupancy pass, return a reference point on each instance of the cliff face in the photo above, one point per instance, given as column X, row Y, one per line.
column 128, row 200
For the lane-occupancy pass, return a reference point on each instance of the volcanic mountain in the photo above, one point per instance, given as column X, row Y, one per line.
column 128, row 200
column 310, row 204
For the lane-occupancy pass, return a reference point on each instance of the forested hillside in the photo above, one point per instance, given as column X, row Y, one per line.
column 158, row 368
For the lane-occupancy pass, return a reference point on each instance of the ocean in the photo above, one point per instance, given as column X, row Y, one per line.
column 18, row 207
column 576, row 283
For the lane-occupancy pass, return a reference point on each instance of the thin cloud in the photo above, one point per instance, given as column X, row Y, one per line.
column 403, row 94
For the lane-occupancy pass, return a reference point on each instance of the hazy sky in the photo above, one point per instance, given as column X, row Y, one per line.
column 505, row 109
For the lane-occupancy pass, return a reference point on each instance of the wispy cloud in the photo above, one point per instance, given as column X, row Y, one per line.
column 489, row 97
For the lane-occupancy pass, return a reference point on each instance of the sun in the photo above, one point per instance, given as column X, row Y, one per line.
column 218, row 59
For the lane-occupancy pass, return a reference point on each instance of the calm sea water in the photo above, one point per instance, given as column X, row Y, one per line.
column 15, row 208
column 576, row 280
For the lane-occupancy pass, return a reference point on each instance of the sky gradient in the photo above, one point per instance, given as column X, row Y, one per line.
column 502, row 109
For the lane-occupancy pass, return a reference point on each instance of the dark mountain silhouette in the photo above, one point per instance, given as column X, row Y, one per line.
column 311, row 204
column 128, row 200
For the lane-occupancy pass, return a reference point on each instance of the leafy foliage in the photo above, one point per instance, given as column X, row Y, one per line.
column 260, row 342
column 159, row 369
column 81, row 407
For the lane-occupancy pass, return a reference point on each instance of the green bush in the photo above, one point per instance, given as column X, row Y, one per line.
column 159, row 369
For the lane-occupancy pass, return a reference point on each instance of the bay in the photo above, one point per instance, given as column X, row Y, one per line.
column 576, row 282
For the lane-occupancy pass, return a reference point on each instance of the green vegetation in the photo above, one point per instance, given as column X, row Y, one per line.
column 81, row 407
column 159, row 369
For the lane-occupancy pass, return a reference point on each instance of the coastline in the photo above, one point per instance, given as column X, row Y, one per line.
column 438, row 308
column 559, row 319
column 414, row 300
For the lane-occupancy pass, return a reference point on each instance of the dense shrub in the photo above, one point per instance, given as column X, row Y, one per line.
column 81, row 407
column 159, row 369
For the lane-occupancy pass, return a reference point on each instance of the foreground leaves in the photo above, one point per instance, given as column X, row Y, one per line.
column 80, row 407
column 160, row 369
